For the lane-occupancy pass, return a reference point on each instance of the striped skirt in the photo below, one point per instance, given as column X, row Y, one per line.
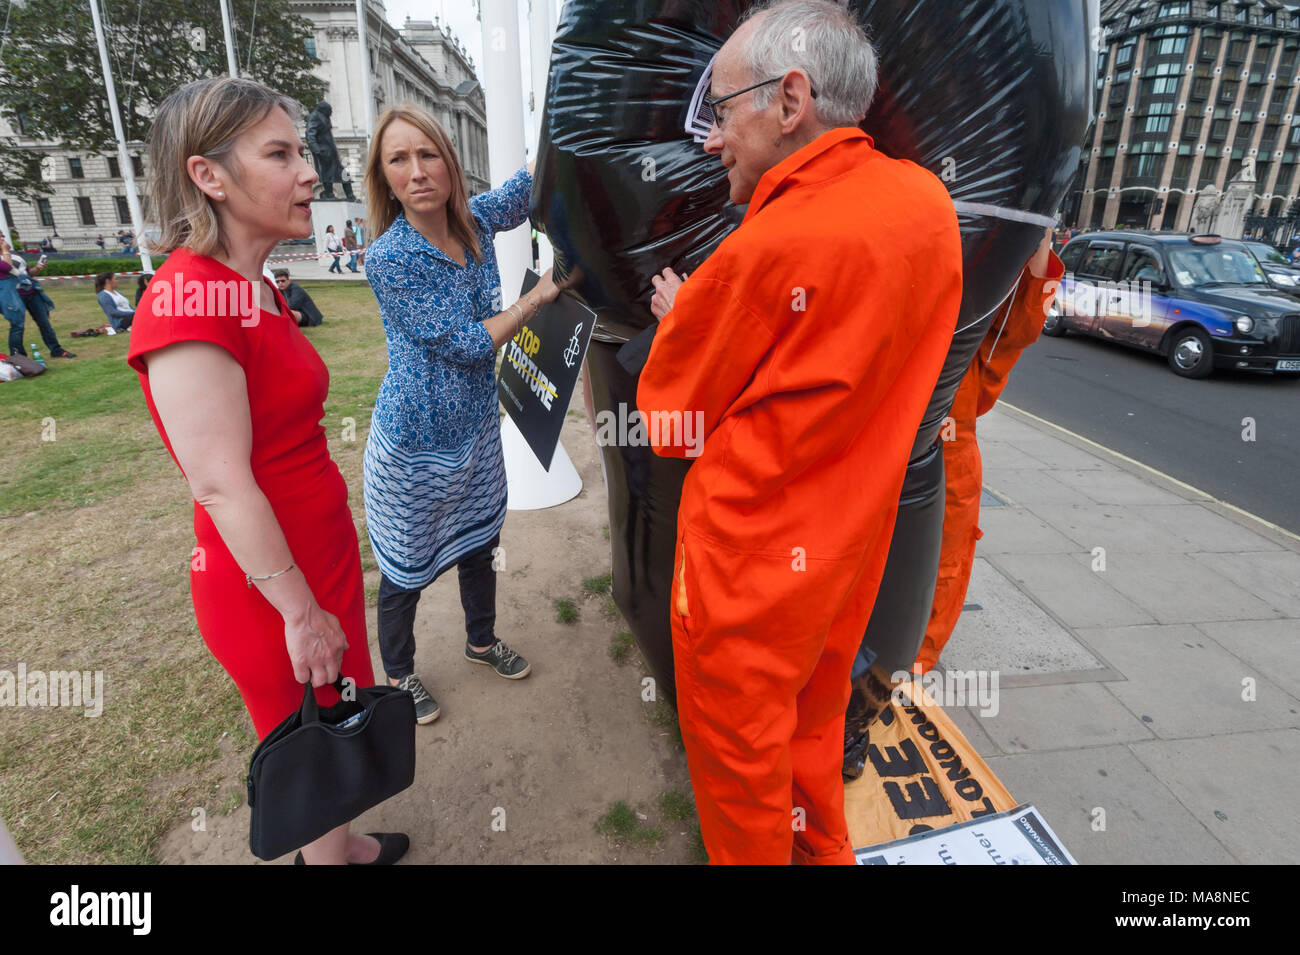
column 426, row 510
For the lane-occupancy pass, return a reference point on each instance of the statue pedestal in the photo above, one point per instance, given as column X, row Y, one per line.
column 1232, row 211
column 327, row 212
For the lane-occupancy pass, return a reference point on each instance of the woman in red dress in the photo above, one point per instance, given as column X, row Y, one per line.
column 237, row 395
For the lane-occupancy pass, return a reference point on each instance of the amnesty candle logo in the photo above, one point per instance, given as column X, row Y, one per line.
column 236, row 298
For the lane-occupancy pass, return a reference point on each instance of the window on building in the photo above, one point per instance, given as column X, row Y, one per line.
column 1170, row 45
column 1142, row 166
column 1182, row 169
column 1212, row 10
column 20, row 121
column 1241, row 14
column 1237, row 51
column 44, row 213
column 74, row 168
column 1210, row 47
column 114, row 168
column 137, row 165
column 1201, row 87
column 1162, row 86
column 310, row 44
column 1175, row 9
column 1270, row 18
column 123, row 209
column 1192, row 126
column 1219, row 131
column 1156, row 124
column 1125, row 55
column 85, row 210
column 9, row 216
column 1228, row 91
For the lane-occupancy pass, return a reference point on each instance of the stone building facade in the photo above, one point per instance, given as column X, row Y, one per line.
column 1188, row 91
column 421, row 62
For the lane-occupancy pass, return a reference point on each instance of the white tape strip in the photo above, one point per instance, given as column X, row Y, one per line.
column 1000, row 212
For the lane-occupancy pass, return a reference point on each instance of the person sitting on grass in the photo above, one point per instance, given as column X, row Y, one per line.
column 141, row 285
column 116, row 307
column 300, row 303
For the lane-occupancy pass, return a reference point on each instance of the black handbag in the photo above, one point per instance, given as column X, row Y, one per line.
column 321, row 767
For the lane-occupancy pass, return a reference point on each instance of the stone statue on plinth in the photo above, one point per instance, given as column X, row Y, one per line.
column 1206, row 209
column 320, row 140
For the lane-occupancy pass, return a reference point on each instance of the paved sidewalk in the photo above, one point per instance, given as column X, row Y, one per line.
column 1147, row 643
column 314, row 269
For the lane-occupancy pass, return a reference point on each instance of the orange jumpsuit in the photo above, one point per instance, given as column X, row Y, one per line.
column 963, row 475
column 805, row 348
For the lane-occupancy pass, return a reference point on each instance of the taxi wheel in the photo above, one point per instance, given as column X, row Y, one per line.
column 1054, row 325
column 1191, row 353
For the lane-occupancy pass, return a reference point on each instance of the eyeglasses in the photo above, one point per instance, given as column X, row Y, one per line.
column 712, row 103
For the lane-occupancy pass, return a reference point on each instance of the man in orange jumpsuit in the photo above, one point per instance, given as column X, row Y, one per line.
column 804, row 351
column 1014, row 330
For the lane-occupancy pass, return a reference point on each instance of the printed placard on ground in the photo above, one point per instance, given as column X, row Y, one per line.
column 921, row 773
column 540, row 368
column 1019, row 836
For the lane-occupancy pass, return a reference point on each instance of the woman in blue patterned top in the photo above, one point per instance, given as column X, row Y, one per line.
column 435, row 482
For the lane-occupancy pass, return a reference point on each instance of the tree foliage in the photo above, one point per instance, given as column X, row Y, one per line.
column 50, row 75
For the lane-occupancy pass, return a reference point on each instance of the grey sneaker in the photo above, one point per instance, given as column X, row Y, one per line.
column 501, row 658
column 426, row 707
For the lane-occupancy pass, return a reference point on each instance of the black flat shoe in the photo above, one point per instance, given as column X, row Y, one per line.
column 392, row 846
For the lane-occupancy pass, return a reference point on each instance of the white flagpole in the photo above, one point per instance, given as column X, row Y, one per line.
column 529, row 485
column 541, row 31
column 124, row 160
column 367, row 92
column 231, row 64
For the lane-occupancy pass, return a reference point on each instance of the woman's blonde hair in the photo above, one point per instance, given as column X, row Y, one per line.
column 383, row 208
column 203, row 118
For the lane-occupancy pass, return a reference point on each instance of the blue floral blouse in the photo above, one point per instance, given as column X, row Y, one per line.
column 441, row 380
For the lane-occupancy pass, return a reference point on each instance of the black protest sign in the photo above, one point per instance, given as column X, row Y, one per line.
column 540, row 369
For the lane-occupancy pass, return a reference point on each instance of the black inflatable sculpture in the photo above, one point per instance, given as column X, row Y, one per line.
column 993, row 96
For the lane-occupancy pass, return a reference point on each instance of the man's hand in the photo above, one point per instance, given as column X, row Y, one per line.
column 1039, row 260
column 666, row 285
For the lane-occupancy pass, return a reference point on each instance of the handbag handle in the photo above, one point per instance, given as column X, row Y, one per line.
column 310, row 712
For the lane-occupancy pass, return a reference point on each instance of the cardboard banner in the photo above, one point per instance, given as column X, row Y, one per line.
column 921, row 773
column 1018, row 837
column 540, row 368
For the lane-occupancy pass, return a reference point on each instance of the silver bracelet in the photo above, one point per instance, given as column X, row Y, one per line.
column 249, row 579
column 519, row 319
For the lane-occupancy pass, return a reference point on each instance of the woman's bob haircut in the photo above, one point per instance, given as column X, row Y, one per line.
column 203, row 118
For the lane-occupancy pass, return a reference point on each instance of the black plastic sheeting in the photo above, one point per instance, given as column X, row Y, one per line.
column 993, row 96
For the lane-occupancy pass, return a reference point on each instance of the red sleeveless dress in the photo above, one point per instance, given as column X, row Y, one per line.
column 287, row 386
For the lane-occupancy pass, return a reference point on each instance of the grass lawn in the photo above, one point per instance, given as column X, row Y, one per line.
column 95, row 537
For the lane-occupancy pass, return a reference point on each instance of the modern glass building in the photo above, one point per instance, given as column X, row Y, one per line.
column 1188, row 92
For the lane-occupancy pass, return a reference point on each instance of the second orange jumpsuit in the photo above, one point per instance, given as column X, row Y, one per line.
column 1012, row 331
column 806, row 347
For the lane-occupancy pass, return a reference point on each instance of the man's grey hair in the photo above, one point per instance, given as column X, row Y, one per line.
column 826, row 41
